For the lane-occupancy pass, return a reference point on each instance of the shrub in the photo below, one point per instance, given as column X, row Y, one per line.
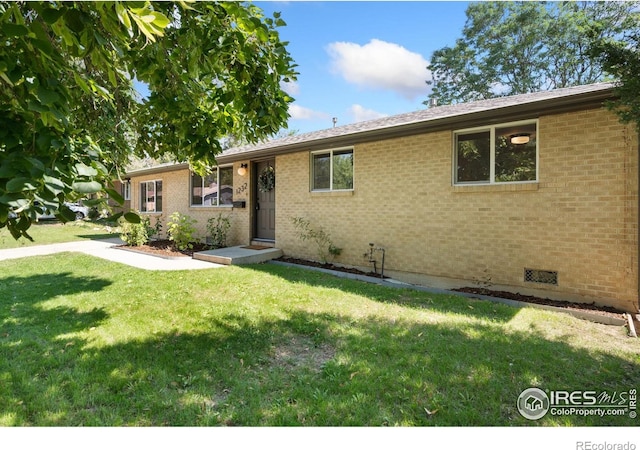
column 135, row 234
column 94, row 213
column 319, row 237
column 217, row 230
column 181, row 231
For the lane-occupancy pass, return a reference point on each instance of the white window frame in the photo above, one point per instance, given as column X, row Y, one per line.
column 492, row 159
column 330, row 152
column 155, row 196
column 217, row 205
column 126, row 190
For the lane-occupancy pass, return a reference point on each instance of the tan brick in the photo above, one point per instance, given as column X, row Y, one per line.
column 580, row 219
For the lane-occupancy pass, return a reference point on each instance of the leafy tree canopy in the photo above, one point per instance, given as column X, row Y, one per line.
column 511, row 48
column 620, row 56
column 70, row 117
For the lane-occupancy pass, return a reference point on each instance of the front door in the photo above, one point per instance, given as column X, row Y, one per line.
column 265, row 200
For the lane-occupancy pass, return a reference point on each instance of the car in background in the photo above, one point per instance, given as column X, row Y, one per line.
column 80, row 210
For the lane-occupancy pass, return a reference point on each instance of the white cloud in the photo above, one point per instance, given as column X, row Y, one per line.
column 300, row 112
column 290, row 87
column 360, row 113
column 381, row 65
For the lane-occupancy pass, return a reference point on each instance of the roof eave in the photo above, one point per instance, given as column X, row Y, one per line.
column 521, row 111
column 155, row 170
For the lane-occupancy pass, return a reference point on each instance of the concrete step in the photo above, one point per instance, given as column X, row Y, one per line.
column 242, row 254
column 263, row 243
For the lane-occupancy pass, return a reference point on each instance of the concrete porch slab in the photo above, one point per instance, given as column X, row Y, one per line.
column 239, row 255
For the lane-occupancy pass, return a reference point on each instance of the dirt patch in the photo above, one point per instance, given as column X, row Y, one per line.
column 589, row 307
column 166, row 249
column 297, row 352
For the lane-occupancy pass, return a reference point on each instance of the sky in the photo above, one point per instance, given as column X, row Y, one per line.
column 362, row 60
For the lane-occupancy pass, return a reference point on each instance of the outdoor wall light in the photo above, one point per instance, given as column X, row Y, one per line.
column 242, row 171
column 521, row 138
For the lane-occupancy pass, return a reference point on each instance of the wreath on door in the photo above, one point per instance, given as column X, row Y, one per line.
column 267, row 179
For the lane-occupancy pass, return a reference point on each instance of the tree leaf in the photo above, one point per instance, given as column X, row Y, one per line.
column 114, row 217
column 53, row 184
column 131, row 217
column 23, row 224
column 47, row 96
column 86, row 187
column 20, row 184
column 11, row 29
column 86, row 171
column 114, row 195
column 65, row 214
column 51, row 15
column 123, row 16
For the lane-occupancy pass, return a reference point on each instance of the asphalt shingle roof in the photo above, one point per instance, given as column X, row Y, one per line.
column 427, row 119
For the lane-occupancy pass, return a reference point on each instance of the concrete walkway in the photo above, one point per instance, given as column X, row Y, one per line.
column 106, row 249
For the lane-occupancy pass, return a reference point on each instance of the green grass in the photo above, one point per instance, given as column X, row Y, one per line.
column 53, row 232
column 88, row 342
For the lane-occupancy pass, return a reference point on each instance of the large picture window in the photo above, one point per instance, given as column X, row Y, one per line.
column 505, row 153
column 332, row 170
column 214, row 189
column 151, row 196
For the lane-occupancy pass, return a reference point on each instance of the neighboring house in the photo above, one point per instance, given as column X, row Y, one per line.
column 534, row 193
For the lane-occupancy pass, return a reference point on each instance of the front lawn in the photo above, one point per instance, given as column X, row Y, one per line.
column 53, row 232
column 87, row 342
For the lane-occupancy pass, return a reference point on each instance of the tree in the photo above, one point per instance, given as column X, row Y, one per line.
column 70, row 117
column 511, row 48
column 620, row 57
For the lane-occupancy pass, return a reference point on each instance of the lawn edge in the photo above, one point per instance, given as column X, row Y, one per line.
column 584, row 315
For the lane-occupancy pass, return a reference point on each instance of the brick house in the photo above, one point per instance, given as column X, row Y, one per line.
column 534, row 193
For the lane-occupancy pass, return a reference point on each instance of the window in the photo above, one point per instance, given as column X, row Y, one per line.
column 500, row 154
column 151, row 196
column 214, row 189
column 126, row 190
column 332, row 170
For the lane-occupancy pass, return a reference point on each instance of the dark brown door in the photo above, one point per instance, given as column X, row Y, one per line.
column 265, row 204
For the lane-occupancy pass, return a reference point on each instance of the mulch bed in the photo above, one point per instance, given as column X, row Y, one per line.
column 166, row 249
column 590, row 307
column 329, row 266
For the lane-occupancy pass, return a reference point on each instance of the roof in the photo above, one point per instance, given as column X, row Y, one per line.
column 165, row 167
column 462, row 115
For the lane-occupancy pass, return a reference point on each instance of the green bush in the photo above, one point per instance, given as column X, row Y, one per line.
column 181, row 231
column 94, row 213
column 135, row 234
column 217, row 230
column 318, row 236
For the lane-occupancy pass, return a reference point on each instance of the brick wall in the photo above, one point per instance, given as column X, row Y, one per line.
column 580, row 219
column 177, row 198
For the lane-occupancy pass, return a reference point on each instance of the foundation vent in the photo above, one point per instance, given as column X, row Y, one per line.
column 541, row 276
